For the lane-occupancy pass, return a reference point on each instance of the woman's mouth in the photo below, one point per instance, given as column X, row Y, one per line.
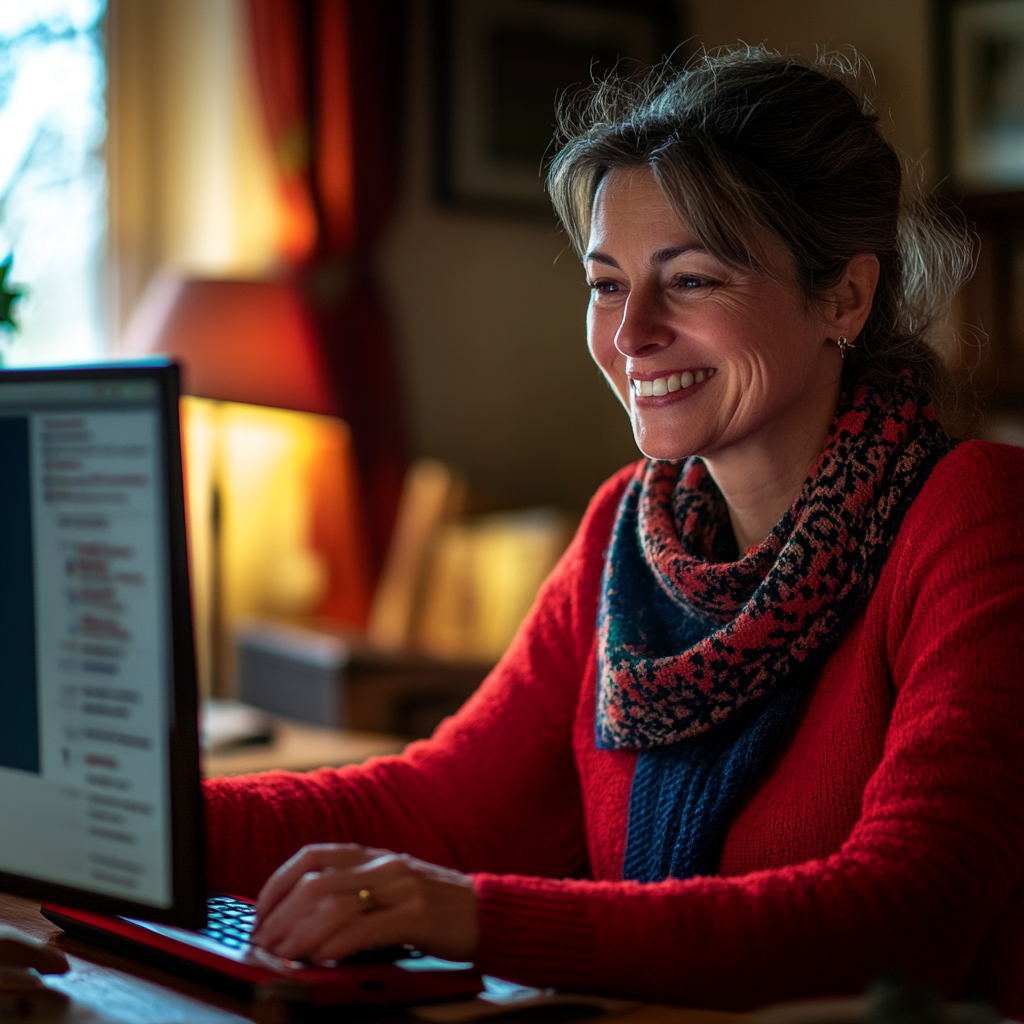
column 667, row 385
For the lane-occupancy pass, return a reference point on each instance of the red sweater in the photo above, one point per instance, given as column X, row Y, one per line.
column 888, row 833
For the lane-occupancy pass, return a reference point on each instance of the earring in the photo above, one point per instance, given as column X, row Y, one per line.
column 844, row 345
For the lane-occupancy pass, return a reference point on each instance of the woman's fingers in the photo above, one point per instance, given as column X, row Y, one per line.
column 313, row 858
column 380, row 928
column 327, row 899
column 301, row 938
column 322, row 916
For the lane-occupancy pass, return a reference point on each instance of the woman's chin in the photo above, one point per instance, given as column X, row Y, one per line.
column 668, row 434
column 662, row 450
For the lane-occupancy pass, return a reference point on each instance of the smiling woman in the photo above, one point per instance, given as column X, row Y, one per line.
column 667, row 316
column 760, row 736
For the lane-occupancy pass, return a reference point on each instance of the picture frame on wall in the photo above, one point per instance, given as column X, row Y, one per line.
column 499, row 68
column 980, row 80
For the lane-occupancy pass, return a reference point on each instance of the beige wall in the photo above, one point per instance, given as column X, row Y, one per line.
column 490, row 312
column 191, row 177
column 490, row 315
column 894, row 35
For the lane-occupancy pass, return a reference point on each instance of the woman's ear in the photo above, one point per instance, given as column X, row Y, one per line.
column 850, row 300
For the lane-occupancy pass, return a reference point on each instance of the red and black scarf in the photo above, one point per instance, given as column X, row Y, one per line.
column 693, row 640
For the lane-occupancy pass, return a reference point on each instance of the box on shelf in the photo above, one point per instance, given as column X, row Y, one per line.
column 326, row 679
column 293, row 672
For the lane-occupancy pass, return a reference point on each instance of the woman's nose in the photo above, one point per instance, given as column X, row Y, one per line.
column 643, row 330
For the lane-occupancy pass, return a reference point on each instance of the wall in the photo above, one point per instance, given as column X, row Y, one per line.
column 490, row 312
column 191, row 180
column 490, row 315
column 894, row 35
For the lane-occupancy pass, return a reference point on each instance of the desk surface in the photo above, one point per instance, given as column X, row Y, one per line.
column 107, row 988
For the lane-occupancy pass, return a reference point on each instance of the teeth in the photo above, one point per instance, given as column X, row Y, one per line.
column 667, row 385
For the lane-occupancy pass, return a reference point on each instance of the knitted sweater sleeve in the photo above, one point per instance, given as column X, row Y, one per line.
column 494, row 789
column 930, row 866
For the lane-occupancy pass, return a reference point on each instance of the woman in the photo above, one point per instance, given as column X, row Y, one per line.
column 760, row 736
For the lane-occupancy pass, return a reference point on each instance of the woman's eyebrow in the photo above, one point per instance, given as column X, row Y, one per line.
column 660, row 257
column 667, row 255
column 596, row 256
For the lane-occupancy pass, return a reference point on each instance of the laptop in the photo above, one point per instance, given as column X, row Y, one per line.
column 99, row 751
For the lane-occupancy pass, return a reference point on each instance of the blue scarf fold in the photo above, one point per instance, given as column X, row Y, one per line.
column 681, row 803
column 704, row 658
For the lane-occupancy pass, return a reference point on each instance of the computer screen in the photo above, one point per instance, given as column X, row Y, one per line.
column 99, row 785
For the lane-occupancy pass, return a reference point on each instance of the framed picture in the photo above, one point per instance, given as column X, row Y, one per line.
column 500, row 66
column 980, row 67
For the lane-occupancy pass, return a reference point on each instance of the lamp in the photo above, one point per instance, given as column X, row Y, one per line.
column 272, row 491
column 239, row 341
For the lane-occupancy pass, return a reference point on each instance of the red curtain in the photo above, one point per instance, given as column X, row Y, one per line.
column 328, row 74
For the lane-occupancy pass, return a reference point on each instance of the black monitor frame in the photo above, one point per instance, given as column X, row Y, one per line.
column 188, row 856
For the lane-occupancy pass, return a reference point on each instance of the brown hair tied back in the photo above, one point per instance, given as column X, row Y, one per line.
column 748, row 141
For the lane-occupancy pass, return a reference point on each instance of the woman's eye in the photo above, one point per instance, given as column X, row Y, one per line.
column 690, row 282
column 603, row 287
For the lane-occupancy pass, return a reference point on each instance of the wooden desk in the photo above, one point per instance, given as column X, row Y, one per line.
column 299, row 747
column 107, row 988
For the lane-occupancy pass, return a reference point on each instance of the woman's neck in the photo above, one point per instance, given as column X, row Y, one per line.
column 762, row 479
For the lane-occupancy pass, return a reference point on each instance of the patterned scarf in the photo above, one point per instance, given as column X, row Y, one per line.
column 703, row 657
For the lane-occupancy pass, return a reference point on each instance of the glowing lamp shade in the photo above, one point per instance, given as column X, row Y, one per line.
column 274, row 510
column 237, row 341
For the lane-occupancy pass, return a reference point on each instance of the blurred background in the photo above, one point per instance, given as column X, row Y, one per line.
column 332, row 214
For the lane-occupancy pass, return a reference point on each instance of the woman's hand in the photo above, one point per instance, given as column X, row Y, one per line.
column 310, row 908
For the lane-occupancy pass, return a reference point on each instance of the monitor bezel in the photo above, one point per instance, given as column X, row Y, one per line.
column 188, row 854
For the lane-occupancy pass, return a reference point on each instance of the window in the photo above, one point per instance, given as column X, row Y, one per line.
column 53, row 183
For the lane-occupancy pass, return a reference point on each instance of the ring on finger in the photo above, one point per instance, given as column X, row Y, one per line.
column 366, row 900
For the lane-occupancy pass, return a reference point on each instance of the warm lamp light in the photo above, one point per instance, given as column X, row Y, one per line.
column 274, row 510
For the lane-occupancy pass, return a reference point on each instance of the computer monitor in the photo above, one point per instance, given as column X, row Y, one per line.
column 100, row 798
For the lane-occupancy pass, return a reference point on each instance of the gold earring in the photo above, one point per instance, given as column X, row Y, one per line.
column 844, row 345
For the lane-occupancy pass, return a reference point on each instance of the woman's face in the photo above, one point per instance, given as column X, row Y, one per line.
column 706, row 358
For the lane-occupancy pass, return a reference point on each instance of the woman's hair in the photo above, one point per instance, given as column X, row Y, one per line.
column 748, row 141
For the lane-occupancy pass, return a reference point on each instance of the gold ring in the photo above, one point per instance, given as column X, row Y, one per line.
column 367, row 900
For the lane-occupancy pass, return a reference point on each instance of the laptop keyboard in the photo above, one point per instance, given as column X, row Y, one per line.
column 229, row 921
